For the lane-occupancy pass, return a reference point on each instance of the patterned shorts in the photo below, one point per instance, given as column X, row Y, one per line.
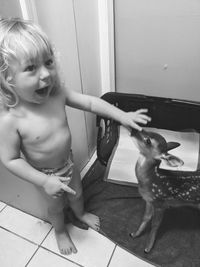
column 65, row 171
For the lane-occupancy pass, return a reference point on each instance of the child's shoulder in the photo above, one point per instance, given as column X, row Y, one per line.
column 58, row 96
column 7, row 120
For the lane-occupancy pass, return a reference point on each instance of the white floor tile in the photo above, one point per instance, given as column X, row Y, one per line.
column 2, row 205
column 45, row 258
column 14, row 251
column 24, row 224
column 94, row 250
column 123, row 258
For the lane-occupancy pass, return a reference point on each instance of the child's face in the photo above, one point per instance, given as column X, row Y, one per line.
column 33, row 81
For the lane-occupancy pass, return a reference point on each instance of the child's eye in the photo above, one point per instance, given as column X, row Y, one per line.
column 49, row 62
column 30, row 68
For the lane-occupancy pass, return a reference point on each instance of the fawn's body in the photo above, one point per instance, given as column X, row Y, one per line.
column 161, row 189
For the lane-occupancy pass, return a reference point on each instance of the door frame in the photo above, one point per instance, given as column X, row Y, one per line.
column 107, row 44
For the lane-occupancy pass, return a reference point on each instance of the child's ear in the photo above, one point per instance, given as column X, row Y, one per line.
column 172, row 160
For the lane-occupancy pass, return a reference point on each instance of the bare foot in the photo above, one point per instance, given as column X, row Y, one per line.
column 65, row 243
column 91, row 220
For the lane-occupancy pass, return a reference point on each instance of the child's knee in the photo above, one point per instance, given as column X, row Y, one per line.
column 77, row 196
column 55, row 209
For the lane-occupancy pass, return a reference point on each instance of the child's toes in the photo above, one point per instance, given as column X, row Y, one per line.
column 98, row 222
column 97, row 227
column 74, row 250
column 64, row 251
column 69, row 251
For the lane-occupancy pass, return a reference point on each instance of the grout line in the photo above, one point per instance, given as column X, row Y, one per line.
column 38, row 246
column 9, row 231
column 111, row 256
column 60, row 255
column 9, row 205
column 32, row 257
column 3, row 207
column 45, row 236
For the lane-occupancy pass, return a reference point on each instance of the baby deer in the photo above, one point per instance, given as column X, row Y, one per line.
column 161, row 189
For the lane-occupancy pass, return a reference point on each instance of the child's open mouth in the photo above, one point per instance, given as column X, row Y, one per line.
column 42, row 91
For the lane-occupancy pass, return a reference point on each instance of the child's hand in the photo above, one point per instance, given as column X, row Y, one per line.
column 55, row 186
column 131, row 119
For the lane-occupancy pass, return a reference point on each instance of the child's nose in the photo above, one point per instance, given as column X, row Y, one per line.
column 44, row 73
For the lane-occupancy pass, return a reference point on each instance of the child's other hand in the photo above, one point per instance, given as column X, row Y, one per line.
column 55, row 186
column 131, row 119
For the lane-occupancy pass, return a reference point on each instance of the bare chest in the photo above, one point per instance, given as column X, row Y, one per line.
column 38, row 126
column 42, row 124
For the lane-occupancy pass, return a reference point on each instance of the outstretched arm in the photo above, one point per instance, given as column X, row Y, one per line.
column 100, row 107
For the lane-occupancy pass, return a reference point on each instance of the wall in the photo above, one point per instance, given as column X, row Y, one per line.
column 10, row 8
column 157, row 47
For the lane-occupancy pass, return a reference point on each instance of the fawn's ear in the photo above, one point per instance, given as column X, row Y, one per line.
column 172, row 145
column 172, row 160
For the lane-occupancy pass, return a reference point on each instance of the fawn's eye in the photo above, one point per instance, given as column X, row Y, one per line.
column 148, row 141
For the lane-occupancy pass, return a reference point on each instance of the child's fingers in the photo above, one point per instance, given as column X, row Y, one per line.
column 136, row 126
column 142, row 117
column 142, row 110
column 142, row 120
column 140, row 113
column 146, row 117
column 64, row 179
column 68, row 189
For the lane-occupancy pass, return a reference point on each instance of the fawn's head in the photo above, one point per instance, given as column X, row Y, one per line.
column 154, row 146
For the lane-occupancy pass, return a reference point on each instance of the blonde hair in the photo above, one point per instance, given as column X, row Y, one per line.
column 19, row 38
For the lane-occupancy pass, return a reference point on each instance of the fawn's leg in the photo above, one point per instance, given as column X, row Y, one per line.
column 156, row 221
column 146, row 219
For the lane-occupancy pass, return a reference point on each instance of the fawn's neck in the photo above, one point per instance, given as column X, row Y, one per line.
column 145, row 169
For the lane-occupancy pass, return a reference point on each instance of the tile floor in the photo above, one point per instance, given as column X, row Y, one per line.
column 29, row 241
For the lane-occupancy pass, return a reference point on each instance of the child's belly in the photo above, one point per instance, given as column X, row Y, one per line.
column 49, row 153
